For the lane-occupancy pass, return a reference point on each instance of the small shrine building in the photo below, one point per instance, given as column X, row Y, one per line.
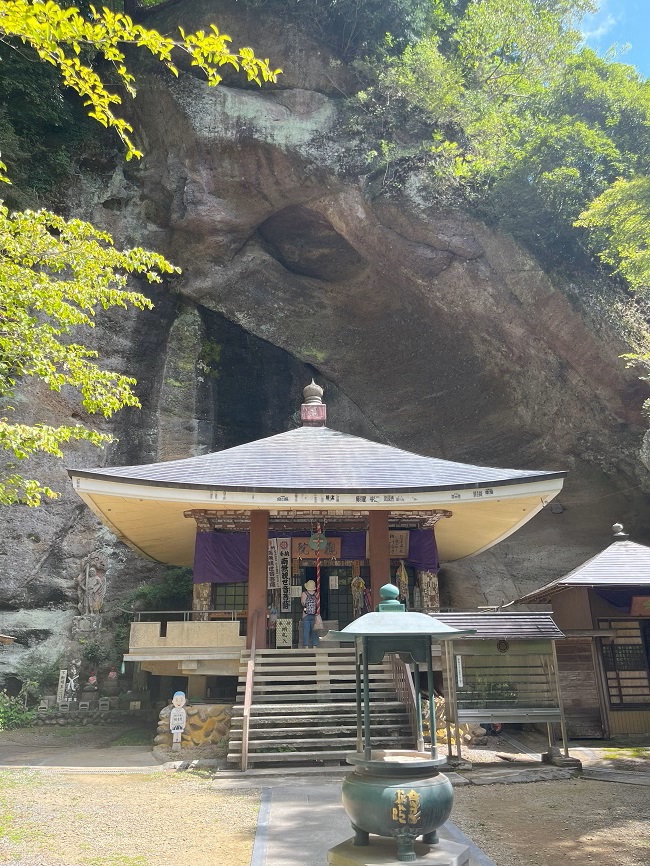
column 243, row 519
column 603, row 608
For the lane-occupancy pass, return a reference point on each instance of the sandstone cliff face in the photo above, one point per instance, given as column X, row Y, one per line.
column 430, row 331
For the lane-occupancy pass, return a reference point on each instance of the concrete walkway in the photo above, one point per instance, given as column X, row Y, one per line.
column 301, row 818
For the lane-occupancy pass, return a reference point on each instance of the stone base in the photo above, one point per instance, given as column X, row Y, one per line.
column 561, row 760
column 383, row 852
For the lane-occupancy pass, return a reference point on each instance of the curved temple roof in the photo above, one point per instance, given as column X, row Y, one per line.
column 308, row 469
column 315, row 460
column 623, row 564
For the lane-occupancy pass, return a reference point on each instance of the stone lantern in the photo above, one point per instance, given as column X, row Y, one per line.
column 398, row 794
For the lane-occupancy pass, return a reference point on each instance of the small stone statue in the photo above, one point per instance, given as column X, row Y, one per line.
column 72, row 682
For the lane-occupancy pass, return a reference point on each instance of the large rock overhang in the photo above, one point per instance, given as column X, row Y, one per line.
column 149, row 517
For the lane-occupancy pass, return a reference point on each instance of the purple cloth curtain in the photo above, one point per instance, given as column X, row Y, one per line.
column 222, row 557
column 423, row 552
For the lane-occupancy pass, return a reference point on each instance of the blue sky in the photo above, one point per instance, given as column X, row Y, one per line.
column 620, row 22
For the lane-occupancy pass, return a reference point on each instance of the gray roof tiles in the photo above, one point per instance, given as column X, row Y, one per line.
column 622, row 564
column 315, row 459
column 503, row 625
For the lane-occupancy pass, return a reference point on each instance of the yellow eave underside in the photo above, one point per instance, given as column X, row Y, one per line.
column 157, row 529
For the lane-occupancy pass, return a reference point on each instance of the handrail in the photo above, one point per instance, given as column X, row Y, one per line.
column 403, row 683
column 190, row 615
column 248, row 695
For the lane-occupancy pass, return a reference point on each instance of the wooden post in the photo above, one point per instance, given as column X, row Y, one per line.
column 258, row 558
column 379, row 554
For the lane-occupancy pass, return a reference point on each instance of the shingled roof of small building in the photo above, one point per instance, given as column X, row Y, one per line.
column 316, row 459
column 621, row 565
column 502, row 625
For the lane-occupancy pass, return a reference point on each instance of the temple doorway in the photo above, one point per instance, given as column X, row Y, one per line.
column 335, row 592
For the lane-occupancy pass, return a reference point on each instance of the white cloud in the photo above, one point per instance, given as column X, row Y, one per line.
column 599, row 27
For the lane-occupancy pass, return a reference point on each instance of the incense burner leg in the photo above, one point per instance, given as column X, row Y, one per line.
column 361, row 838
column 405, row 840
column 430, row 838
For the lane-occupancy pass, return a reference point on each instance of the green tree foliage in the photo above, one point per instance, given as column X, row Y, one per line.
column 620, row 221
column 530, row 125
column 354, row 28
column 43, row 128
column 41, row 670
column 58, row 36
column 172, row 592
column 13, row 713
column 55, row 275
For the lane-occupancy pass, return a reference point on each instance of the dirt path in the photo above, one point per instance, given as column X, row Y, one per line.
column 581, row 822
column 122, row 820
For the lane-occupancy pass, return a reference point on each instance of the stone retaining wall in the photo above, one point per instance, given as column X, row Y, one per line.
column 207, row 725
column 91, row 717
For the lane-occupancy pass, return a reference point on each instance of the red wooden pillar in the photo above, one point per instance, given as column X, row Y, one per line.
column 258, row 557
column 379, row 553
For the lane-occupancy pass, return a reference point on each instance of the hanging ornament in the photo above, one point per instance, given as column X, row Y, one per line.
column 357, row 587
column 320, row 543
column 317, row 541
column 403, row 583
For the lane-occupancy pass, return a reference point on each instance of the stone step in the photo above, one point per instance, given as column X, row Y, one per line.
column 308, row 709
column 331, row 730
column 324, row 696
column 313, row 723
column 311, row 672
column 278, row 686
column 315, row 743
column 315, row 675
column 292, row 757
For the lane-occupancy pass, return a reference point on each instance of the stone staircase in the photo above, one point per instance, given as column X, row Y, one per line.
column 304, row 708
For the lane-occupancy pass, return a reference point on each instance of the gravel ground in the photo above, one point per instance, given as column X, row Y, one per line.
column 122, row 820
column 582, row 822
column 73, row 735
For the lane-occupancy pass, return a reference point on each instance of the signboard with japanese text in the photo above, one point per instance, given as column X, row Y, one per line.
column 301, row 550
column 60, row 692
column 284, row 560
column 398, row 543
column 284, row 633
column 459, row 672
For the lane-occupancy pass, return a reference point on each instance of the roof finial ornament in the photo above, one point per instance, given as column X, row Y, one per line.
column 619, row 535
column 313, row 393
column 313, row 412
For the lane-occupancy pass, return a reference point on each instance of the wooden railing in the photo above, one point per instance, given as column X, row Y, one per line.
column 403, row 683
column 248, row 694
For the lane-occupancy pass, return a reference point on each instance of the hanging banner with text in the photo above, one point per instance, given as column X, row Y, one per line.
column 284, row 559
column 273, row 573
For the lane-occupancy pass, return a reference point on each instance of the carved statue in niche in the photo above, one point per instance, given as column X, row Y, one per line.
column 72, row 682
column 91, row 587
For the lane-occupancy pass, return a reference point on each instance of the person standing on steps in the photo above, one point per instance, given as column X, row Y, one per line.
column 308, row 601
